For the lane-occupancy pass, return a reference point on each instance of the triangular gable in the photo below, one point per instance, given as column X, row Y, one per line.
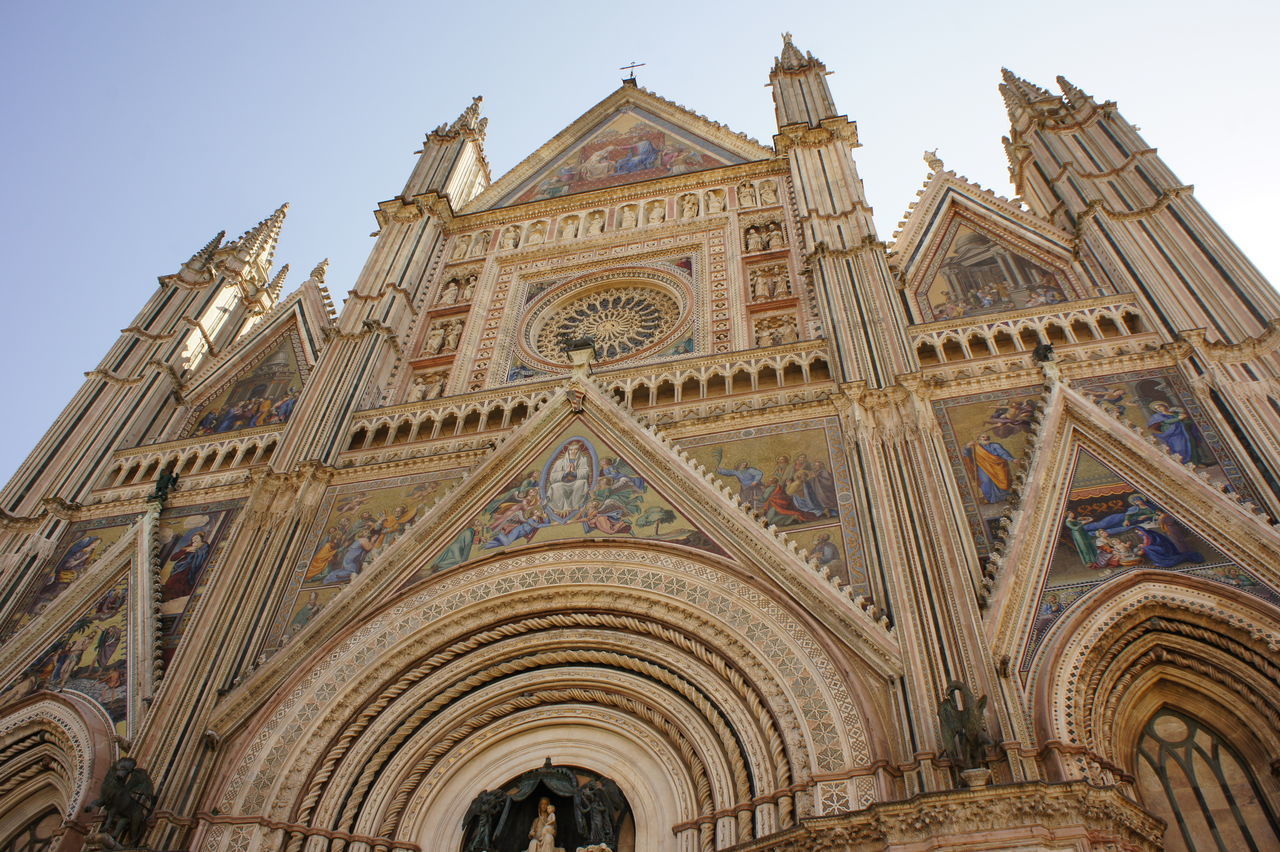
column 1087, row 462
column 1106, row 528
column 580, row 486
column 964, row 252
column 674, row 482
column 256, row 389
column 90, row 656
column 630, row 136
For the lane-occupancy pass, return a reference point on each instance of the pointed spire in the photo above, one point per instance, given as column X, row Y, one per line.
column 276, row 287
column 260, row 240
column 318, row 273
column 201, row 259
column 470, row 120
column 1075, row 95
column 1025, row 89
column 791, row 59
column 195, row 270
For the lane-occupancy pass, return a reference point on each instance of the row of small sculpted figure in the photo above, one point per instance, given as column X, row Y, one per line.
column 430, row 386
column 443, row 337
column 654, row 212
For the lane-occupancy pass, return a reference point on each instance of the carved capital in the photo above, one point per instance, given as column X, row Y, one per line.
column 830, row 131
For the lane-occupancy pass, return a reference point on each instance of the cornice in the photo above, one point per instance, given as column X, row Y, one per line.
column 837, row 130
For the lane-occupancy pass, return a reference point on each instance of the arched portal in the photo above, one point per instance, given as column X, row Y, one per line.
column 1170, row 687
column 711, row 705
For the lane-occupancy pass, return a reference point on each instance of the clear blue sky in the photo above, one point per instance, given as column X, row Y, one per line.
column 136, row 130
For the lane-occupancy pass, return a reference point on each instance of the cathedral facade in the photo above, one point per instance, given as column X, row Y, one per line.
column 646, row 498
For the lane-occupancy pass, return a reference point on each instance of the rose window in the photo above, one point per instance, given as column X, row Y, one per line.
column 621, row 321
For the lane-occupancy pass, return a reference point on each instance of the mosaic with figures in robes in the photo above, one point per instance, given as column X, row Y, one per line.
column 630, row 146
column 355, row 523
column 1109, row 528
column 793, row 475
column 987, row 435
column 90, row 656
column 978, row 275
column 188, row 539
column 78, row 551
column 263, row 395
column 579, row 488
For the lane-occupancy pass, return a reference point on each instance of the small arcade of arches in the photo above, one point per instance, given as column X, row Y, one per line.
column 549, row 808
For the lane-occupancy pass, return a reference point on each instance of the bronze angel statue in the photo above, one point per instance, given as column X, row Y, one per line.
column 964, row 729
column 126, row 799
column 486, row 816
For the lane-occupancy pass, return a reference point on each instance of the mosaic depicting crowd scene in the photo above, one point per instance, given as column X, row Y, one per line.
column 577, row 492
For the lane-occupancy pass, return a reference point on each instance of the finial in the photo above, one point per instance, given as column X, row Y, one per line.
column 317, row 274
column 934, row 162
column 791, row 59
column 470, row 118
column 1075, row 95
column 1027, row 91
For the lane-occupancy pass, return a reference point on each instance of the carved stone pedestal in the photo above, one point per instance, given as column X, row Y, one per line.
column 976, row 778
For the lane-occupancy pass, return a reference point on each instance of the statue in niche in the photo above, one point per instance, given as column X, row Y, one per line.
column 768, row 192
column 746, row 194
column 568, row 227
column 511, row 238
column 629, row 218
column 760, row 290
column 964, row 729
column 715, row 202
column 488, row 813
column 453, row 336
column 449, row 293
column 126, row 798
column 427, row 387
column 537, row 234
column 657, row 212
column 773, row 236
column 595, row 223
column 468, row 288
column 542, row 834
column 435, row 339
column 688, row 206
column 597, row 804
column 754, row 241
column 481, row 243
column 461, row 246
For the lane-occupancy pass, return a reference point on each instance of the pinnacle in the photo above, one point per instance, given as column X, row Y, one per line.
column 201, row 258
column 261, row 239
column 470, row 118
column 1074, row 93
column 1020, row 92
column 318, row 273
column 276, row 287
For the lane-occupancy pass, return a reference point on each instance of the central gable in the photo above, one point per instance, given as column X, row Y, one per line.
column 629, row 146
column 629, row 137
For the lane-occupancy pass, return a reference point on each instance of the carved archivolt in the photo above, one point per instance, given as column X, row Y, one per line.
column 728, row 682
column 53, row 742
column 1162, row 640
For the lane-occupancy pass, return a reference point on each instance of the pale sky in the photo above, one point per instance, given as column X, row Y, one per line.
column 137, row 130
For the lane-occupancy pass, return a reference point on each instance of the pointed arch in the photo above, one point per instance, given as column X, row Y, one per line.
column 53, row 751
column 1172, row 647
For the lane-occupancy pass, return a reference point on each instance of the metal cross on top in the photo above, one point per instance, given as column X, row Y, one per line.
column 632, row 68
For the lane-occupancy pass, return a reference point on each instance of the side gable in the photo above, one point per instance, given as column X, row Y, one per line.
column 630, row 136
column 963, row 251
column 1102, row 501
column 255, row 381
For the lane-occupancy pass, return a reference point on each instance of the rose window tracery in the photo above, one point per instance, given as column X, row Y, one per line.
column 622, row 320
